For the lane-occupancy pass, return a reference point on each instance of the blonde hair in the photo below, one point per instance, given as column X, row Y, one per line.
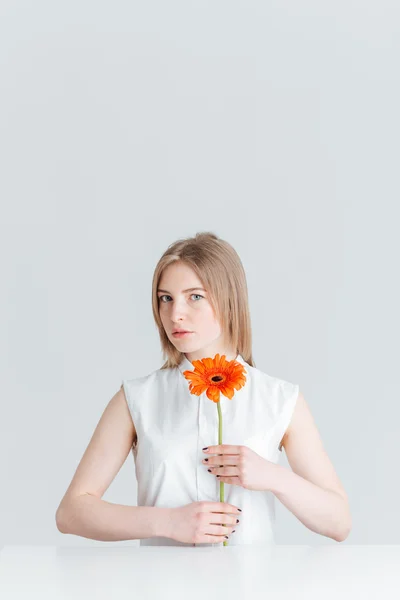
column 221, row 272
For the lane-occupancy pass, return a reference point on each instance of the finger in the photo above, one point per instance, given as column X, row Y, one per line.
column 215, row 539
column 219, row 530
column 232, row 480
column 224, row 471
column 221, row 507
column 228, row 459
column 222, row 449
column 224, row 519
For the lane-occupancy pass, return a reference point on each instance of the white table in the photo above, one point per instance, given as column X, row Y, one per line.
column 203, row 573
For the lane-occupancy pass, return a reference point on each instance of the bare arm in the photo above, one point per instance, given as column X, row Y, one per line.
column 82, row 511
column 312, row 491
column 91, row 517
column 320, row 510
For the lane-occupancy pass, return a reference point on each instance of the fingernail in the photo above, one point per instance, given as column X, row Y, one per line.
column 240, row 509
column 206, row 448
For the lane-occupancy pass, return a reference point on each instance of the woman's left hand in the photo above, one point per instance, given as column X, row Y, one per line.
column 239, row 465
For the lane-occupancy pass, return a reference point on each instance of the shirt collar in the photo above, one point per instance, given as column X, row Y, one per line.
column 186, row 365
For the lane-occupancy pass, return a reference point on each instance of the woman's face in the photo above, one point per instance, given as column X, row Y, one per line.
column 190, row 309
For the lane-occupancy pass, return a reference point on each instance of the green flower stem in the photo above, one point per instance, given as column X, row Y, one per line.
column 221, row 483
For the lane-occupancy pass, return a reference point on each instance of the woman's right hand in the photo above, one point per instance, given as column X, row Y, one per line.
column 202, row 522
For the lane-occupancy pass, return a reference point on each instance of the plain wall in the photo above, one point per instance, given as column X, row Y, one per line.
column 124, row 126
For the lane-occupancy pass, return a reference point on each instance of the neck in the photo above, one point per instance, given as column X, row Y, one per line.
column 229, row 355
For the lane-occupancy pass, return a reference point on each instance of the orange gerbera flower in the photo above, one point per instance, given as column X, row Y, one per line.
column 216, row 376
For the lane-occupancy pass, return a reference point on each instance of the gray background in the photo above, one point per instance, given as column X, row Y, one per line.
column 125, row 126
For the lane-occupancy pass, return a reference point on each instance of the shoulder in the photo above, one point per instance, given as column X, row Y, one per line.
column 131, row 385
column 277, row 386
column 279, row 394
column 150, row 387
column 155, row 377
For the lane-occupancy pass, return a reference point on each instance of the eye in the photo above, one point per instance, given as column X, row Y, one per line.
column 167, row 296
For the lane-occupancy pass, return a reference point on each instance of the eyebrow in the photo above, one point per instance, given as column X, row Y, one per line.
column 188, row 290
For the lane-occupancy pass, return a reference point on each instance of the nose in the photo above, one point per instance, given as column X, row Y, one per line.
column 177, row 312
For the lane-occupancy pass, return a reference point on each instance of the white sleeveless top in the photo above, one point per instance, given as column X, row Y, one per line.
column 173, row 426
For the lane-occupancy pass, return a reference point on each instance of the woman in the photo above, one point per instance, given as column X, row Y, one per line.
column 200, row 306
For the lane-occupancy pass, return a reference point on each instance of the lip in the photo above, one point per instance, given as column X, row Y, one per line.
column 181, row 333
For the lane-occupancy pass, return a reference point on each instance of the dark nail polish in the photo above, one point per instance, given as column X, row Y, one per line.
column 234, row 531
column 240, row 509
column 206, row 459
column 205, row 448
column 237, row 520
column 209, row 470
column 226, row 537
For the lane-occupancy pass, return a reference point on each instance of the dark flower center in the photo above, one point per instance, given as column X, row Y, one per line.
column 217, row 378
